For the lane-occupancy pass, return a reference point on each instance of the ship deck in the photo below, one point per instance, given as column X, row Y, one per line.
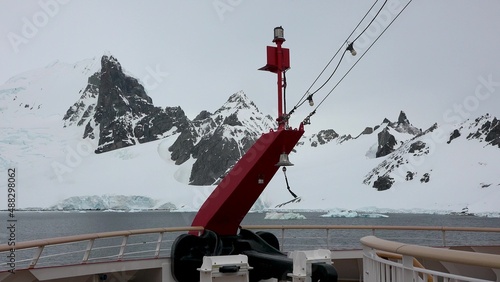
column 144, row 255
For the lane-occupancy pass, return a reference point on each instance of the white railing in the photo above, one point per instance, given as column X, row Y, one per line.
column 339, row 237
column 392, row 261
column 149, row 243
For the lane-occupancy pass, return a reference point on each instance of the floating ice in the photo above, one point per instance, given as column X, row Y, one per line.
column 350, row 213
column 284, row 216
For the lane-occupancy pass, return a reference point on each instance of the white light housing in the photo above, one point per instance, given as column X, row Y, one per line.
column 279, row 33
column 310, row 99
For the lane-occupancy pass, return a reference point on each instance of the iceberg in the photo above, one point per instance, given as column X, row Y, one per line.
column 350, row 213
column 283, row 216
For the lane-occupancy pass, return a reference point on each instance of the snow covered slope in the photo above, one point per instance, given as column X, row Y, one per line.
column 442, row 169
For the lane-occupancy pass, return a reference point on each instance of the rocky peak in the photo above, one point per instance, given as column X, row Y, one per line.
column 387, row 142
column 235, row 103
column 404, row 126
column 402, row 119
column 84, row 108
column 115, row 109
column 323, row 137
column 486, row 128
column 217, row 141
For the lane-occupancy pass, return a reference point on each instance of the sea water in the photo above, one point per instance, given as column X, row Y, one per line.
column 48, row 224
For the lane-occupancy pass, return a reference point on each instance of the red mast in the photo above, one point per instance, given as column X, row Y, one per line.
column 231, row 200
column 278, row 61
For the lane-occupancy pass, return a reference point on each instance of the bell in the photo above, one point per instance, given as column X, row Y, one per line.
column 284, row 160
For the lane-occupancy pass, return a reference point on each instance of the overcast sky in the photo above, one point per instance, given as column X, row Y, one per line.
column 439, row 61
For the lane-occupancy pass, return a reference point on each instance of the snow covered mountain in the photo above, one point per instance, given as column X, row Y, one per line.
column 87, row 135
column 217, row 141
column 115, row 110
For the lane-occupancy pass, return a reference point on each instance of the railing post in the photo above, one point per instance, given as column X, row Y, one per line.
column 368, row 264
column 328, row 238
column 37, row 255
column 158, row 245
column 407, row 268
column 86, row 255
column 444, row 237
column 282, row 239
column 122, row 248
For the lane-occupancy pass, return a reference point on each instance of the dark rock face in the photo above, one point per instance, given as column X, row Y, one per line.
column 493, row 136
column 404, row 126
column 367, row 130
column 488, row 129
column 115, row 109
column 217, row 141
column 383, row 183
column 211, row 167
column 417, row 146
column 121, row 99
column 454, row 134
column 409, row 175
column 425, row 178
column 82, row 110
column 386, row 143
column 323, row 137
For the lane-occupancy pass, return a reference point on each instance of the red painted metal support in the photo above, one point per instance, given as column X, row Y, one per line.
column 231, row 200
column 279, row 59
column 228, row 204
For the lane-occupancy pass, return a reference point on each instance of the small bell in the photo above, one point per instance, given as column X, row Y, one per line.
column 284, row 160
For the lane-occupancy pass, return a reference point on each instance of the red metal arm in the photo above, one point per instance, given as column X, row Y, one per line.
column 228, row 204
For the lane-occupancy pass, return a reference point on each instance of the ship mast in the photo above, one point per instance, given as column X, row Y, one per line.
column 231, row 200
column 278, row 61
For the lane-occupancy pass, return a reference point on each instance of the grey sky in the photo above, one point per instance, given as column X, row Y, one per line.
column 438, row 61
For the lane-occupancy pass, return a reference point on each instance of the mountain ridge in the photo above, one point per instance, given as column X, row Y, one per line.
column 51, row 144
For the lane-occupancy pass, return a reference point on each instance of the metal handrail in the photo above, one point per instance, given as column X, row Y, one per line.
column 373, row 228
column 439, row 254
column 378, row 269
column 39, row 245
column 93, row 236
column 377, row 227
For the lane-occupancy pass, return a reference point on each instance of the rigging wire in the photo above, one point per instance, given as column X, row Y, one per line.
column 350, row 44
column 302, row 100
column 376, row 15
column 307, row 119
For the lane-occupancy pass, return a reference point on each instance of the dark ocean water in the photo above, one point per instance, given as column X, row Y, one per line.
column 39, row 225
column 42, row 225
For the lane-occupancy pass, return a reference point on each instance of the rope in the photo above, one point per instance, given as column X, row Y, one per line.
column 288, row 186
